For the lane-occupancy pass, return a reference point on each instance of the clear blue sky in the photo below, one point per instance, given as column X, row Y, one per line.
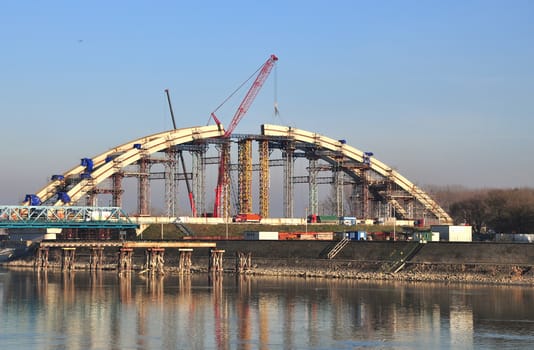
column 441, row 90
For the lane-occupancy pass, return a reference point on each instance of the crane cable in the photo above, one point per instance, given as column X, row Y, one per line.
column 276, row 110
column 233, row 93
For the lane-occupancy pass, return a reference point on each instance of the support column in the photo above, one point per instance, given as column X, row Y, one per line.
column 199, row 179
column 216, row 260
column 143, row 196
column 117, row 191
column 154, row 260
column 184, row 262
column 287, row 154
column 243, row 262
column 96, row 260
column 264, row 178
column 245, row 175
column 313, row 200
column 170, row 181
column 125, row 259
column 338, row 185
column 67, row 259
column 41, row 258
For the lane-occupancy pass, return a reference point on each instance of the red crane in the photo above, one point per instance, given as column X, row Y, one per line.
column 222, row 179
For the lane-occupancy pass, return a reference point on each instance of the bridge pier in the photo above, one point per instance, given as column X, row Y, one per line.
column 243, row 262
column 67, row 259
column 154, row 260
column 216, row 260
column 41, row 258
column 96, row 260
column 125, row 259
column 184, row 262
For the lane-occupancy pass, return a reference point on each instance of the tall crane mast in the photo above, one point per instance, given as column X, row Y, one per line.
column 223, row 179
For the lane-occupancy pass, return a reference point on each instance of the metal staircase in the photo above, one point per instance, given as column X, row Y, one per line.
column 398, row 258
column 184, row 229
column 337, row 248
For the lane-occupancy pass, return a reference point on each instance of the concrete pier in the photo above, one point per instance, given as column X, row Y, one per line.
column 67, row 258
column 243, row 262
column 41, row 258
column 184, row 262
column 125, row 259
column 96, row 261
column 154, row 260
column 216, row 260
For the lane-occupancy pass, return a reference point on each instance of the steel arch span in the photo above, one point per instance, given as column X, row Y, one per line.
column 375, row 190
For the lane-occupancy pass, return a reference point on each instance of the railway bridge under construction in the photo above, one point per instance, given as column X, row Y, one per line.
column 281, row 164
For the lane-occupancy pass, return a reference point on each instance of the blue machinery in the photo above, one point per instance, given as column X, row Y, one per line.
column 12, row 216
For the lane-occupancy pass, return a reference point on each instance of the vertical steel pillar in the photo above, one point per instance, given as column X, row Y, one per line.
column 365, row 193
column 245, row 176
column 170, row 180
column 338, row 174
column 264, row 178
column 117, row 191
column 313, row 196
column 199, row 179
column 287, row 154
column 143, row 189
column 225, row 193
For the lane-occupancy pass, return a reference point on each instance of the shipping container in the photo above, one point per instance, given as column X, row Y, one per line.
column 261, row 235
column 452, row 233
column 357, row 235
column 247, row 217
column 426, row 236
column 328, row 219
column 347, row 220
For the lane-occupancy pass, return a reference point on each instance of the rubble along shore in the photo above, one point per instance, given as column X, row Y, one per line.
column 493, row 274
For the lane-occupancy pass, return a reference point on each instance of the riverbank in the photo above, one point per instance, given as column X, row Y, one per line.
column 492, row 274
column 491, row 263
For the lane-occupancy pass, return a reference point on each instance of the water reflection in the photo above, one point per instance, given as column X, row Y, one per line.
column 50, row 309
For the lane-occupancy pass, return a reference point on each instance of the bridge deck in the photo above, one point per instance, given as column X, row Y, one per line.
column 127, row 244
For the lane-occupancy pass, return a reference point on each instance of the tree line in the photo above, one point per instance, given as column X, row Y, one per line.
column 487, row 210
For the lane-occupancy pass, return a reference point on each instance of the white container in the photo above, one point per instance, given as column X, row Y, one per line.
column 453, row 233
column 261, row 236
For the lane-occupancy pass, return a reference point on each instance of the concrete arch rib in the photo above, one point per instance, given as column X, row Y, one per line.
column 125, row 155
column 358, row 156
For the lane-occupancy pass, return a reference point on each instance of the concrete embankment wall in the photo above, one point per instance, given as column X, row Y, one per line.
column 432, row 252
column 473, row 252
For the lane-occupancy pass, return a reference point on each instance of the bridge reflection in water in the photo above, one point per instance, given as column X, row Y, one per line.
column 106, row 310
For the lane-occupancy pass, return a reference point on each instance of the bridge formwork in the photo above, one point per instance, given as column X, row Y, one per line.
column 289, row 170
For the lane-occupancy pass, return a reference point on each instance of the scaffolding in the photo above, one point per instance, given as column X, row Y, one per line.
column 245, row 175
column 170, row 180
column 287, row 155
column 313, row 198
column 143, row 198
column 198, row 160
column 373, row 195
column 264, row 178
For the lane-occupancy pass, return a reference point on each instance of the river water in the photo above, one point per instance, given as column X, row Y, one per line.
column 81, row 310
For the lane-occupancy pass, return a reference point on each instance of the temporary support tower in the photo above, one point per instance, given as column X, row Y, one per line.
column 222, row 198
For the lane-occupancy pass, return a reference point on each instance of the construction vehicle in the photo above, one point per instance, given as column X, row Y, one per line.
column 247, row 217
column 189, row 190
column 223, row 179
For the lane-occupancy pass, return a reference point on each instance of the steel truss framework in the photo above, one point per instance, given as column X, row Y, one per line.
column 371, row 188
